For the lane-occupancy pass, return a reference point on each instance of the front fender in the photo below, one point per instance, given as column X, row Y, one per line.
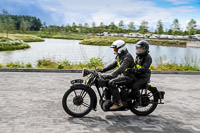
column 90, row 90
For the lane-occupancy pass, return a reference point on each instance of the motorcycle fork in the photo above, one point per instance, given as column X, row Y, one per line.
column 83, row 92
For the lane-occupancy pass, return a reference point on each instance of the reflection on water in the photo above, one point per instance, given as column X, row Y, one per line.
column 71, row 50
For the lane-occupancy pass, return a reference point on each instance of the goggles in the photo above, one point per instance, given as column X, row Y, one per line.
column 115, row 49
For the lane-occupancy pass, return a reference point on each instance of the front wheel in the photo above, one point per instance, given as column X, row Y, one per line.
column 149, row 102
column 77, row 101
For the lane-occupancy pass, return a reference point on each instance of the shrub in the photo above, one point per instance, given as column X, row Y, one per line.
column 46, row 63
column 29, row 65
column 95, row 62
column 15, row 65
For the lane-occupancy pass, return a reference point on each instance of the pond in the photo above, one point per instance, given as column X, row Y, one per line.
column 71, row 50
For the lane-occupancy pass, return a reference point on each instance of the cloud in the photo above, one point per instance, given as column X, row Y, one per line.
column 107, row 11
column 179, row 2
column 183, row 9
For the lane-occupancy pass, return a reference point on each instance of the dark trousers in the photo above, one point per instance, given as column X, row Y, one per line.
column 115, row 83
column 139, row 84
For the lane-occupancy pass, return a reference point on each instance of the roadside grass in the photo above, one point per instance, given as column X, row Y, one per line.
column 187, row 65
column 47, row 63
column 16, row 65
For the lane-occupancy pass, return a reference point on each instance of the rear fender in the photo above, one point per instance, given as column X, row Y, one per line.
column 160, row 94
column 90, row 90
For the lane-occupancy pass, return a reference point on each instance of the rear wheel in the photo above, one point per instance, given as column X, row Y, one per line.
column 77, row 102
column 149, row 102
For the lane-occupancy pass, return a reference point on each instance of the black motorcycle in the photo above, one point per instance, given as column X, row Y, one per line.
column 80, row 99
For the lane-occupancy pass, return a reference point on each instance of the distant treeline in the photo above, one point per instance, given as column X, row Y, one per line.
column 20, row 22
column 11, row 23
column 16, row 22
column 175, row 28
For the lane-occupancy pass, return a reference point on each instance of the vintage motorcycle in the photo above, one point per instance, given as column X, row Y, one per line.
column 80, row 99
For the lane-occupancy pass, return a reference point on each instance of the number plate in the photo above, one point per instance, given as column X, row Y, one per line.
column 77, row 81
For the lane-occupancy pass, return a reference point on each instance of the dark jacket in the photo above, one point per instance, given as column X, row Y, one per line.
column 125, row 60
column 143, row 64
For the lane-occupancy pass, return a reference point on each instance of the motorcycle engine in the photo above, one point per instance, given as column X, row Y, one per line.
column 106, row 105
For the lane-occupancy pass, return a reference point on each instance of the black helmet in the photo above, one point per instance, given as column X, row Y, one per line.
column 142, row 47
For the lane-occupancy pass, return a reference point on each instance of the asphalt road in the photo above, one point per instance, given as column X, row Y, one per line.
column 31, row 103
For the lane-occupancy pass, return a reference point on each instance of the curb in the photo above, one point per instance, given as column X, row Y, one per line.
column 177, row 72
column 80, row 71
column 39, row 70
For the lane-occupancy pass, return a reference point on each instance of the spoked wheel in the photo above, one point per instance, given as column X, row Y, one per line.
column 148, row 102
column 77, row 102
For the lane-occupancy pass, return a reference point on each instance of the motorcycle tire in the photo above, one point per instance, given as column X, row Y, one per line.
column 151, row 109
column 78, row 100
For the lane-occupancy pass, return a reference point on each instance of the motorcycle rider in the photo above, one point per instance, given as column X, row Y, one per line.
column 142, row 70
column 123, row 61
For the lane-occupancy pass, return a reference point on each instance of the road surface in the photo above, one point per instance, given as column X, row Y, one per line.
column 31, row 103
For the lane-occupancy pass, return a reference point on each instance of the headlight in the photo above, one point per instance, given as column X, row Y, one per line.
column 85, row 72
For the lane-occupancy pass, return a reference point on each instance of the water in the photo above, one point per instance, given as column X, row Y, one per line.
column 71, row 50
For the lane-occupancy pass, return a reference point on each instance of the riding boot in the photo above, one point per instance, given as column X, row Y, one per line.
column 117, row 105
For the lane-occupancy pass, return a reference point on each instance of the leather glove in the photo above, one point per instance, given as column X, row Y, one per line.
column 137, row 70
column 107, row 76
column 100, row 70
column 132, row 70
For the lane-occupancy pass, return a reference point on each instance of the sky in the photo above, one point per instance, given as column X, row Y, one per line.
column 63, row 12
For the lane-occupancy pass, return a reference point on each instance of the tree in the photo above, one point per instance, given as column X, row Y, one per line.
column 8, row 25
column 24, row 25
column 120, row 27
column 44, row 27
column 131, row 26
column 192, row 27
column 68, row 28
column 80, row 27
column 102, row 27
column 74, row 27
column 176, row 27
column 35, row 24
column 86, row 28
column 1, row 25
column 112, row 27
column 170, row 32
column 159, row 27
column 143, row 27
column 93, row 27
column 121, row 24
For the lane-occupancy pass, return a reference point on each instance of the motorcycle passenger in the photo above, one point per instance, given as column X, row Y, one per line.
column 123, row 61
column 142, row 70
